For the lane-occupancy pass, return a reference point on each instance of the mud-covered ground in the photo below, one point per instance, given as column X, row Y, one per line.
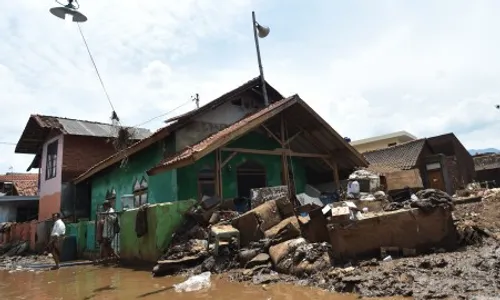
column 471, row 272
column 22, row 262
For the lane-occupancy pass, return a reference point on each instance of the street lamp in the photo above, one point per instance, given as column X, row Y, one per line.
column 69, row 11
column 262, row 32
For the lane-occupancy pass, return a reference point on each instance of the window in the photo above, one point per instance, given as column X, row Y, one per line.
column 140, row 192
column 391, row 144
column 51, row 162
column 206, row 182
column 111, row 196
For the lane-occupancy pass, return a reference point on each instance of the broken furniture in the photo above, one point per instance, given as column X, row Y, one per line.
column 223, row 233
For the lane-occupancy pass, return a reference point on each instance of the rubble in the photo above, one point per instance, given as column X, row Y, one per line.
column 280, row 243
column 426, row 200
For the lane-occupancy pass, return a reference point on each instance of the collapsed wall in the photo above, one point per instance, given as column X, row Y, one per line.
column 412, row 229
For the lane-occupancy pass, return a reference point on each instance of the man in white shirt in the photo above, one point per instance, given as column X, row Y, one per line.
column 58, row 231
column 109, row 228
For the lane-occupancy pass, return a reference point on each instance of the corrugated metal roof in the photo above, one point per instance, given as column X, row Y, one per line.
column 88, row 128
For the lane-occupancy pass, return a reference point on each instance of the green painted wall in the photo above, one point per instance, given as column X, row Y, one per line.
column 187, row 176
column 161, row 187
column 163, row 220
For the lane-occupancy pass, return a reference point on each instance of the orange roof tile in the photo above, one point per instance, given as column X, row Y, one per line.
column 26, row 184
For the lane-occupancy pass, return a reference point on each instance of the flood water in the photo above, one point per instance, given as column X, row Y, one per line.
column 117, row 283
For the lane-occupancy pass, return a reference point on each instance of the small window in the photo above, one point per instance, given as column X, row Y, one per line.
column 391, row 144
column 51, row 162
column 140, row 192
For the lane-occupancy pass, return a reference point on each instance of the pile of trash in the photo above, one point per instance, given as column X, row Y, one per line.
column 426, row 200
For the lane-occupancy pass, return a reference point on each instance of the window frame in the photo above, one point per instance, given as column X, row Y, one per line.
column 140, row 191
column 51, row 160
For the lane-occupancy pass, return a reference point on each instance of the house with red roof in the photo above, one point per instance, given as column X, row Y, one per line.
column 18, row 197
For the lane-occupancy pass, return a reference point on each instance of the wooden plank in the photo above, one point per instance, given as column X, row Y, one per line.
column 272, row 135
column 401, row 179
column 278, row 151
column 293, row 137
column 284, row 159
column 224, row 163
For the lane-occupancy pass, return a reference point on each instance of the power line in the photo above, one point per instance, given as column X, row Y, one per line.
column 95, row 67
column 164, row 114
column 8, row 143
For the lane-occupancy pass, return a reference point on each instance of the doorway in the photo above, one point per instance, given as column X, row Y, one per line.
column 250, row 175
column 436, row 179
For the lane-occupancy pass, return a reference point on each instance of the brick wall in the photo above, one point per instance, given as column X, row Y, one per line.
column 82, row 152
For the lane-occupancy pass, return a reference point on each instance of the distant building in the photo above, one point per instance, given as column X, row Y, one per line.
column 443, row 162
column 487, row 167
column 382, row 141
column 18, row 197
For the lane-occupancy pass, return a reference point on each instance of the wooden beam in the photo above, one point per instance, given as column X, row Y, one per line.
column 284, row 158
column 218, row 174
column 293, row 137
column 272, row 135
column 224, row 163
column 277, row 151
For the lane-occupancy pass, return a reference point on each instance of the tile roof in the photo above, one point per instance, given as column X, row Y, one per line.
column 85, row 128
column 400, row 157
column 26, row 184
column 175, row 123
column 189, row 152
column 487, row 162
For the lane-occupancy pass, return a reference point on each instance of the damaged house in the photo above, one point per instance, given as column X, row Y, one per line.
column 225, row 148
column 441, row 161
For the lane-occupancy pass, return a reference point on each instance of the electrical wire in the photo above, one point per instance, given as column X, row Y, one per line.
column 8, row 143
column 164, row 114
column 95, row 67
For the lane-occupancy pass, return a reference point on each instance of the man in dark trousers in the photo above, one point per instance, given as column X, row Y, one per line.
column 57, row 234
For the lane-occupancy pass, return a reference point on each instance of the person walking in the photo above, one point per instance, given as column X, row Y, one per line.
column 57, row 234
column 109, row 223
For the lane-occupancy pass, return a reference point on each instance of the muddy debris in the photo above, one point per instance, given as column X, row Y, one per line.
column 274, row 247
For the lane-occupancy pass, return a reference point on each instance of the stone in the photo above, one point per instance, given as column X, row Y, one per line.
column 260, row 259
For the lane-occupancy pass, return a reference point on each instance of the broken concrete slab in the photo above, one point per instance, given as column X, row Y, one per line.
column 260, row 259
column 285, row 230
column 414, row 229
column 255, row 222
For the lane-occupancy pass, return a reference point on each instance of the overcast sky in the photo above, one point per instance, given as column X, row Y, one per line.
column 368, row 67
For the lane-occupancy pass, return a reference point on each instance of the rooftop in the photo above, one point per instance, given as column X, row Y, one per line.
column 177, row 122
column 39, row 127
column 487, row 162
column 26, row 184
column 403, row 134
column 400, row 157
column 311, row 127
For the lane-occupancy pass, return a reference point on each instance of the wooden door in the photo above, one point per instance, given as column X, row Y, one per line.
column 436, row 179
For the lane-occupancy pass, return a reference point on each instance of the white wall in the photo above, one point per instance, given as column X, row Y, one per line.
column 211, row 122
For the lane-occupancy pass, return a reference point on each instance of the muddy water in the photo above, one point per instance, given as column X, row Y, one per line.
column 116, row 283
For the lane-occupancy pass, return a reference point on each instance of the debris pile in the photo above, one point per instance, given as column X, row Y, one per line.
column 266, row 238
column 426, row 200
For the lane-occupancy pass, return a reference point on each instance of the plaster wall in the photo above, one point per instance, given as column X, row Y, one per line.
column 50, row 189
